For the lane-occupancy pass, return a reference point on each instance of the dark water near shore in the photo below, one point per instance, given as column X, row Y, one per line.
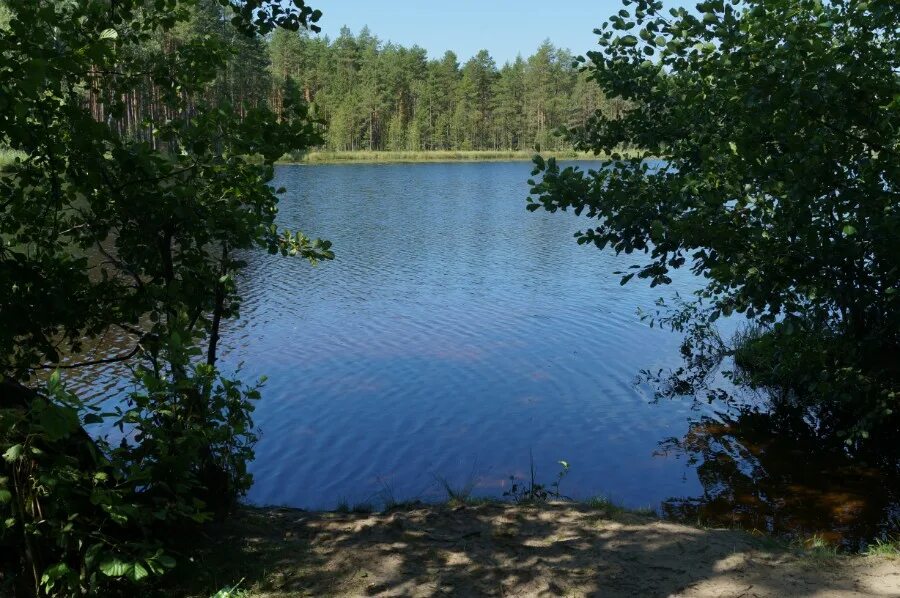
column 456, row 334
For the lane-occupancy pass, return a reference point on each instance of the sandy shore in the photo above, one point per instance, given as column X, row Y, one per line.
column 510, row 550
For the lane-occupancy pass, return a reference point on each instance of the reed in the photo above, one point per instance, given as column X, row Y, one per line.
column 386, row 157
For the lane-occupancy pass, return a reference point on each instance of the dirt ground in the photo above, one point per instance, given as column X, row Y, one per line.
column 510, row 550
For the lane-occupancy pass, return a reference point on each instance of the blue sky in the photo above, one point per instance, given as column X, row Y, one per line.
column 503, row 27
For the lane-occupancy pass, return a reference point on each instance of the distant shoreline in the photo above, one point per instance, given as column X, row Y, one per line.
column 395, row 157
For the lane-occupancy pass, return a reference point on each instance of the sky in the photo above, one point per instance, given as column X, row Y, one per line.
column 503, row 27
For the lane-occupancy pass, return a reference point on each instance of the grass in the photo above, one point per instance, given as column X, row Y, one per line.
column 232, row 592
column 816, row 548
column 458, row 495
column 7, row 156
column 889, row 548
column 604, row 503
column 385, row 157
column 362, row 507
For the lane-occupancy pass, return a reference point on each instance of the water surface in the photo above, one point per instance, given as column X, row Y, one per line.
column 456, row 335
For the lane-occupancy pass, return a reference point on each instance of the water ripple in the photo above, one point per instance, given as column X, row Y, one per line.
column 454, row 334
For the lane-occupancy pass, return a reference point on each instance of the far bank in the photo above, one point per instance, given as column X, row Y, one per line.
column 400, row 157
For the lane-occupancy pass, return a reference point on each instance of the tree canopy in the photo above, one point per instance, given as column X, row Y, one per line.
column 131, row 222
column 777, row 125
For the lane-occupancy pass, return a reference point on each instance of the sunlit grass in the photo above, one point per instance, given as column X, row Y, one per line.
column 889, row 548
column 232, row 592
column 819, row 547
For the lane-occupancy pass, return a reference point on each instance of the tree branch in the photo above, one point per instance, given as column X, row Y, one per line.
column 108, row 360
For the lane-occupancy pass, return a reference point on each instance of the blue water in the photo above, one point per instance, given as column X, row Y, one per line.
column 457, row 335
column 454, row 335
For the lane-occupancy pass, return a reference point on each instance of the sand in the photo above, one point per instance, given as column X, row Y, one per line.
column 512, row 550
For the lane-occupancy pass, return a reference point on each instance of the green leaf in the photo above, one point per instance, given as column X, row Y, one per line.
column 13, row 453
column 137, row 572
column 92, row 418
column 849, row 230
column 5, row 496
column 59, row 422
column 54, row 572
column 109, row 34
column 114, row 567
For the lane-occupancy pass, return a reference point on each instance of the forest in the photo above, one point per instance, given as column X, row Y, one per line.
column 141, row 191
column 368, row 94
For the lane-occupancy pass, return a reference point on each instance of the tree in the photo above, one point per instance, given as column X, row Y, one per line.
column 375, row 96
column 442, row 87
column 547, row 80
column 106, row 230
column 477, row 99
column 779, row 127
column 509, row 116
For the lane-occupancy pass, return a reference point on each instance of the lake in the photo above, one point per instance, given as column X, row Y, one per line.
column 457, row 336
column 454, row 335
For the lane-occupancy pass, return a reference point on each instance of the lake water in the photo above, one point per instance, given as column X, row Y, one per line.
column 456, row 335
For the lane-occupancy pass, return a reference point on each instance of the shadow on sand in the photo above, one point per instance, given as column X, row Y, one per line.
column 510, row 550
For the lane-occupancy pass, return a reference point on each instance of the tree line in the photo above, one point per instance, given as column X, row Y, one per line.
column 371, row 95
column 384, row 96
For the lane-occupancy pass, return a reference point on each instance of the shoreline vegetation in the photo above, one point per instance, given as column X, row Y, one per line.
column 401, row 157
column 500, row 548
column 414, row 157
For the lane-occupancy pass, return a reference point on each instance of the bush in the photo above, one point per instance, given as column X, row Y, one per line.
column 778, row 126
column 82, row 514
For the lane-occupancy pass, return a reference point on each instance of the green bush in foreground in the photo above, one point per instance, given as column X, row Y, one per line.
column 779, row 122
column 138, row 236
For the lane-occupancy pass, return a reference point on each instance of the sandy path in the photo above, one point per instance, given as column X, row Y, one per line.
column 506, row 550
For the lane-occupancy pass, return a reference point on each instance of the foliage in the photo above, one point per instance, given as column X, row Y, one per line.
column 885, row 548
column 779, row 123
column 376, row 96
column 74, row 503
column 532, row 491
column 459, row 494
column 231, row 592
column 105, row 231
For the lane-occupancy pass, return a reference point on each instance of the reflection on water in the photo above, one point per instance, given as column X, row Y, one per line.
column 454, row 334
column 773, row 473
column 764, row 462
